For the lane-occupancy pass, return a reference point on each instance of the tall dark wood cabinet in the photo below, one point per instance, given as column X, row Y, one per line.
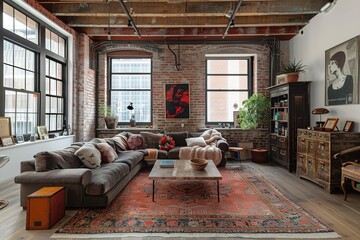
column 290, row 110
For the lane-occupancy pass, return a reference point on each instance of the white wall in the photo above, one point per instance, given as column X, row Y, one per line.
column 326, row 30
column 25, row 151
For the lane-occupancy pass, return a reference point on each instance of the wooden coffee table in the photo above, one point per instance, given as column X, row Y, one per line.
column 183, row 171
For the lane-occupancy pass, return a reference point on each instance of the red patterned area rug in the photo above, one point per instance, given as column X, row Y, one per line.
column 249, row 206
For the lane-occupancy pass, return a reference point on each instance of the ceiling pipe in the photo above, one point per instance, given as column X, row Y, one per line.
column 231, row 20
column 131, row 21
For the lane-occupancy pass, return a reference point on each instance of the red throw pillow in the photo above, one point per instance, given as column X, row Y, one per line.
column 135, row 142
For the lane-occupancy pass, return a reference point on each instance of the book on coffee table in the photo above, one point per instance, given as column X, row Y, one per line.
column 167, row 163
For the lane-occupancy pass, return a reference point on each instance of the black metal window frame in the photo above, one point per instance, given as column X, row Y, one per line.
column 249, row 75
column 41, row 54
column 110, row 90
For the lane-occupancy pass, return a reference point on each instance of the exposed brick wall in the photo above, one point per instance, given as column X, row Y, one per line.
column 85, row 93
column 192, row 72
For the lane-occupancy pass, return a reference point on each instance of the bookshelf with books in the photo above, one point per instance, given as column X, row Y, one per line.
column 290, row 109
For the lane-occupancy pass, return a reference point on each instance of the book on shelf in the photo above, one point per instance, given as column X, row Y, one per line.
column 167, row 163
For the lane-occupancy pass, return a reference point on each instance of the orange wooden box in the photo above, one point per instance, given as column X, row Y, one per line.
column 45, row 207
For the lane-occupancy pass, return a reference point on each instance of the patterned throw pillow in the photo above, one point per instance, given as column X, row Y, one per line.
column 121, row 143
column 151, row 140
column 108, row 154
column 135, row 142
column 89, row 155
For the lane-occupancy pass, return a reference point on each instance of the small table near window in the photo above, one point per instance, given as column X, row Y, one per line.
column 237, row 150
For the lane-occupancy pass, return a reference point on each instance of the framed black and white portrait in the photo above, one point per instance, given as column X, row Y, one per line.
column 342, row 73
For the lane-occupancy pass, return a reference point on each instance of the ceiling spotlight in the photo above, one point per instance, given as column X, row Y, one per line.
column 232, row 24
column 130, row 23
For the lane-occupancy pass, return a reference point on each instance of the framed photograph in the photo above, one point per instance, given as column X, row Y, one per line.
column 43, row 132
column 5, row 126
column 330, row 123
column 348, row 126
column 236, row 116
column 177, row 98
column 280, row 79
column 20, row 139
column 342, row 73
column 7, row 141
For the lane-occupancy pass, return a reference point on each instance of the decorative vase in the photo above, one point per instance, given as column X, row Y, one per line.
column 111, row 122
column 132, row 122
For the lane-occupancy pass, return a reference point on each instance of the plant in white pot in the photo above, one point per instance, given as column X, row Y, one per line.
column 254, row 112
column 292, row 70
column 110, row 118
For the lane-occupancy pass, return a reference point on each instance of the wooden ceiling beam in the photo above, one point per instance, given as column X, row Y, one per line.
column 186, row 10
column 192, row 31
column 186, row 22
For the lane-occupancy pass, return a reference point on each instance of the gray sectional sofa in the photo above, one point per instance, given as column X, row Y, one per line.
column 88, row 187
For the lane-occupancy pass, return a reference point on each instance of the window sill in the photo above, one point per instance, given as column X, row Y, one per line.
column 29, row 143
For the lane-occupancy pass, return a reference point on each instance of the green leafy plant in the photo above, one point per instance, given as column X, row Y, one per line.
column 294, row 66
column 106, row 111
column 255, row 110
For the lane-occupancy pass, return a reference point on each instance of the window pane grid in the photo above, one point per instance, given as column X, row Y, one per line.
column 227, row 85
column 130, row 81
column 54, row 109
column 20, row 24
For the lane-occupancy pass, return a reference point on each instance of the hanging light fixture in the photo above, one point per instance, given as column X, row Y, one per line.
column 109, row 33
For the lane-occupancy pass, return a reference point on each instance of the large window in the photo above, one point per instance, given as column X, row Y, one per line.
column 21, row 100
column 32, row 89
column 130, row 82
column 54, row 95
column 228, row 84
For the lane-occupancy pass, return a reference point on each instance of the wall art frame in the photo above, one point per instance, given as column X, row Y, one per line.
column 348, row 126
column 5, row 126
column 330, row 123
column 342, row 69
column 177, row 100
column 43, row 132
column 7, row 141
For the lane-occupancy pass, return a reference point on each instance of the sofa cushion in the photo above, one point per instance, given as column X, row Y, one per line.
column 174, row 153
column 151, row 140
column 121, row 143
column 89, row 155
column 108, row 154
column 131, row 158
column 162, row 154
column 60, row 159
column 179, row 138
column 195, row 141
column 135, row 142
column 106, row 177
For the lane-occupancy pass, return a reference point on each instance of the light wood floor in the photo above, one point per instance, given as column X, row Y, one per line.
column 342, row 216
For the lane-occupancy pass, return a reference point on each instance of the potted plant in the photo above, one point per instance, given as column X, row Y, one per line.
column 111, row 120
column 255, row 111
column 292, row 70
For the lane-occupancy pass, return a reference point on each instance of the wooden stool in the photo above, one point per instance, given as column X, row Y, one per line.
column 45, row 207
column 237, row 150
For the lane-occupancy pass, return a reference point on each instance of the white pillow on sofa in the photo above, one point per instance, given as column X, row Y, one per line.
column 89, row 155
column 195, row 141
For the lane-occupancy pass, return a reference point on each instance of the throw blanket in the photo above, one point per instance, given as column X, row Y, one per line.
column 152, row 154
column 208, row 152
column 211, row 137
